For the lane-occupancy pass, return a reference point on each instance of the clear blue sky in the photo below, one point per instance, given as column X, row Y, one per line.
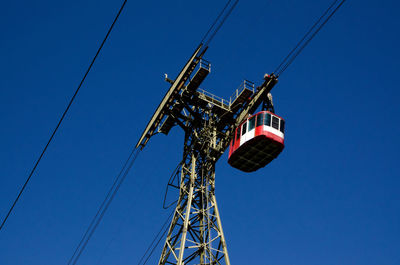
column 331, row 198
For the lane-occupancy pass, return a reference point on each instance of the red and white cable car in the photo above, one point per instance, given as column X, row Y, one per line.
column 257, row 141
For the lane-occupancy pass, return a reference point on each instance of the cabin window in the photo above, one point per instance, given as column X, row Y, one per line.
column 282, row 128
column 275, row 122
column 237, row 133
column 252, row 123
column 244, row 127
column 267, row 119
column 260, row 119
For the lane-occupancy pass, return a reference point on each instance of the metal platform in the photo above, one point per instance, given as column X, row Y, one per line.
column 240, row 96
column 203, row 70
column 199, row 76
column 217, row 102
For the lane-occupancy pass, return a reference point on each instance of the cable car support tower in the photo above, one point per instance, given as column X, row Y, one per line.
column 195, row 235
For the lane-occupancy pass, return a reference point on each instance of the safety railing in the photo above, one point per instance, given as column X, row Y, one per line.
column 214, row 98
column 202, row 64
column 246, row 84
column 205, row 64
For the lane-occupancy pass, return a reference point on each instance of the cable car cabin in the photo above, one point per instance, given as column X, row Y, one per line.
column 257, row 141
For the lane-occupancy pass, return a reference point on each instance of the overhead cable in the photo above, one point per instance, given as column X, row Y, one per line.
column 318, row 25
column 104, row 206
column 62, row 117
column 219, row 21
column 160, row 236
column 215, row 21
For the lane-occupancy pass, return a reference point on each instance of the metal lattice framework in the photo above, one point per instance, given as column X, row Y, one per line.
column 195, row 235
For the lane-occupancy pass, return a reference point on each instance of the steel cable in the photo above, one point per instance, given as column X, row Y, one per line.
column 305, row 41
column 220, row 24
column 215, row 21
column 165, row 228
column 104, row 206
column 62, row 117
column 305, row 36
